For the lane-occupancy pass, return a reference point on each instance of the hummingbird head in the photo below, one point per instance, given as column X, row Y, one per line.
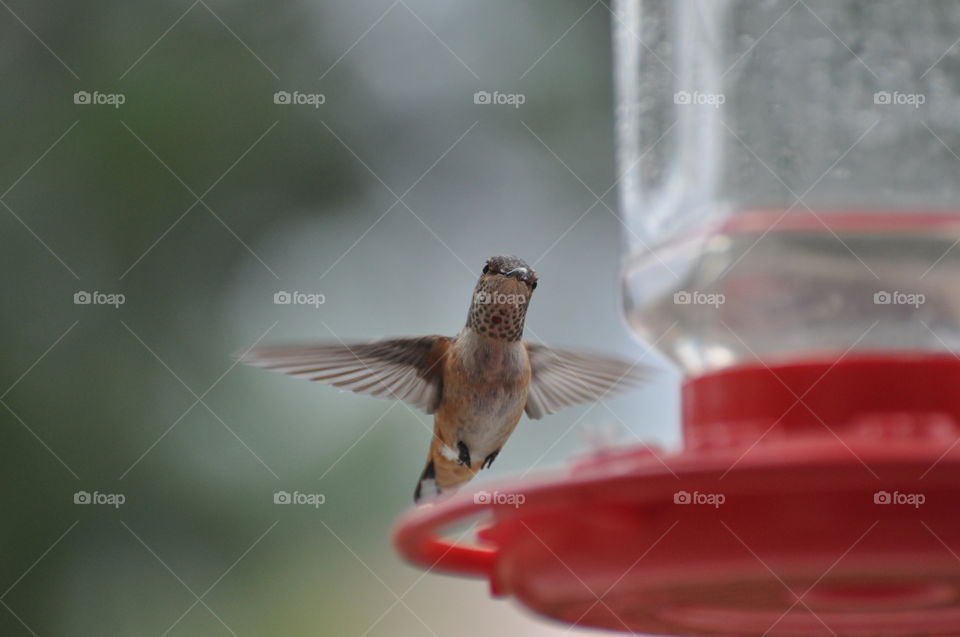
column 500, row 300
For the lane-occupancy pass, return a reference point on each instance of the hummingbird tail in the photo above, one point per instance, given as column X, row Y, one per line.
column 427, row 484
column 442, row 475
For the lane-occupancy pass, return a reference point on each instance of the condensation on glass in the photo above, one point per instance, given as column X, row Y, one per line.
column 790, row 177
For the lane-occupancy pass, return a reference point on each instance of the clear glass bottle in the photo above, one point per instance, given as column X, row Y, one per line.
column 790, row 178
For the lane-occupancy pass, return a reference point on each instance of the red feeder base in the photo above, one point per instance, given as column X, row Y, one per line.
column 812, row 499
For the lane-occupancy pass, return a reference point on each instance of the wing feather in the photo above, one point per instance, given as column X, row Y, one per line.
column 561, row 378
column 408, row 369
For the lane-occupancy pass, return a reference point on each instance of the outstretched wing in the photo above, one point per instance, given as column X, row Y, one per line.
column 408, row 369
column 561, row 378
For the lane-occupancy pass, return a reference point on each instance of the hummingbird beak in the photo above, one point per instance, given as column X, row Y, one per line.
column 522, row 273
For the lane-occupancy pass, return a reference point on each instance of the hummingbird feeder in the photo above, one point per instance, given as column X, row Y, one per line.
column 790, row 193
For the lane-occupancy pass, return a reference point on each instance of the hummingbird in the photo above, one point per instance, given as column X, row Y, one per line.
column 476, row 385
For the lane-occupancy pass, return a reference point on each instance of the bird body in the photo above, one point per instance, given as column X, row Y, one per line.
column 485, row 383
column 477, row 384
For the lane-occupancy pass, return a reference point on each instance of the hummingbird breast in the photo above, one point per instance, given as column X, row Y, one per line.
column 484, row 392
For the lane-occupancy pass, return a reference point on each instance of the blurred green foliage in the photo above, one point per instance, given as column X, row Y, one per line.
column 198, row 198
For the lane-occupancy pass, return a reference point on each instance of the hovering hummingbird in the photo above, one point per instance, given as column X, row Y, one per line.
column 477, row 384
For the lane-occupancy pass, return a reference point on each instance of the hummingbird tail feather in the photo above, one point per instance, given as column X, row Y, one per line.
column 427, row 484
column 440, row 476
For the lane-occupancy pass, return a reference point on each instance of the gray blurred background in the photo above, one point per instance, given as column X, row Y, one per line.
column 199, row 198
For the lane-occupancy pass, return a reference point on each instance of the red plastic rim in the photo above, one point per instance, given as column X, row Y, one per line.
column 845, row 523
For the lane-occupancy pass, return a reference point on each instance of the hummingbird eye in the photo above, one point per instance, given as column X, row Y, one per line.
column 533, row 286
column 486, row 268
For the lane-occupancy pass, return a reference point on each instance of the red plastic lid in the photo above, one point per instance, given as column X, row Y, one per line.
column 837, row 514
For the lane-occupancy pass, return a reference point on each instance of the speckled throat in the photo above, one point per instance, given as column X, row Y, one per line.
column 498, row 310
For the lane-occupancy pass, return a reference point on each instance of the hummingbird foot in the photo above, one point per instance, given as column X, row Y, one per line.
column 464, row 457
column 488, row 461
